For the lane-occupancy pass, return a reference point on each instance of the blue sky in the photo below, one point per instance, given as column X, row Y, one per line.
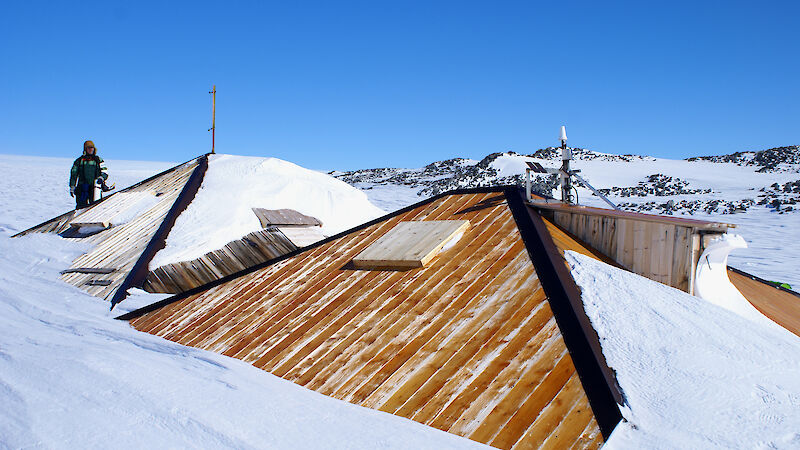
column 374, row 84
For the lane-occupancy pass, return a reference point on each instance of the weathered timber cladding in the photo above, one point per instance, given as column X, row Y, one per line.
column 121, row 246
column 255, row 248
column 284, row 217
column 659, row 248
column 467, row 344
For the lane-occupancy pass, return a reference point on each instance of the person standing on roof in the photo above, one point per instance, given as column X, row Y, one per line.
column 86, row 170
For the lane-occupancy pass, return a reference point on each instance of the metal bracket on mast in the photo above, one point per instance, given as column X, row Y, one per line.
column 538, row 168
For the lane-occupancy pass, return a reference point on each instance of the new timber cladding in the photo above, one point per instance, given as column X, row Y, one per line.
column 663, row 249
column 120, row 247
column 469, row 344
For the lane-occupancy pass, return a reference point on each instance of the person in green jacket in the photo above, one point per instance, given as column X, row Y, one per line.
column 85, row 171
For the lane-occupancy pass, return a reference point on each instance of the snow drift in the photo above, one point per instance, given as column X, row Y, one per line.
column 693, row 374
column 222, row 209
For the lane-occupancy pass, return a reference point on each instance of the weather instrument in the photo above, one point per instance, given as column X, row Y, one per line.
column 564, row 173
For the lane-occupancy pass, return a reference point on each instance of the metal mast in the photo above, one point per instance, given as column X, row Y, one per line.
column 213, row 128
column 566, row 155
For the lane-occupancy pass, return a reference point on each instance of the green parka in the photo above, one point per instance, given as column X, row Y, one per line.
column 86, row 169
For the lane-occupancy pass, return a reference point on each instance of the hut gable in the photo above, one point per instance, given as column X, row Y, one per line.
column 123, row 228
column 478, row 344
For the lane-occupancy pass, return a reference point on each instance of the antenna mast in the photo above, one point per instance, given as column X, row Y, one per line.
column 566, row 155
column 213, row 128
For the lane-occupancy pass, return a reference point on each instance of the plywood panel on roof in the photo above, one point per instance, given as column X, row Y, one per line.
column 284, row 217
column 468, row 345
column 409, row 244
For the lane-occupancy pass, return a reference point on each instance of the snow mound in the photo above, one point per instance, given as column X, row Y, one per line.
column 693, row 374
column 222, row 209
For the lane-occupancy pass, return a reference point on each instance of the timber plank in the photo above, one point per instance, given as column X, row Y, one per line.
column 542, row 328
column 358, row 353
column 571, row 428
column 389, row 359
column 494, row 347
column 542, row 388
column 432, row 372
column 547, row 420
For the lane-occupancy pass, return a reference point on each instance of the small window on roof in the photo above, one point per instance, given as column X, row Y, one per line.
column 410, row 245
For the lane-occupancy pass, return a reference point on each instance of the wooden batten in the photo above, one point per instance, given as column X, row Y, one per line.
column 662, row 248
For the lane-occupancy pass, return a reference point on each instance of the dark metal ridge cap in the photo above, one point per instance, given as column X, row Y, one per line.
column 763, row 281
column 171, row 169
column 598, row 380
column 182, row 295
column 158, row 241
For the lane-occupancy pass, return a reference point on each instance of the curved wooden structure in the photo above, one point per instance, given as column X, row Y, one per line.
column 781, row 305
column 475, row 343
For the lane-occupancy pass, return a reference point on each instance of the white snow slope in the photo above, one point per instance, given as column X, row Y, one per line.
column 222, row 209
column 73, row 377
column 694, row 375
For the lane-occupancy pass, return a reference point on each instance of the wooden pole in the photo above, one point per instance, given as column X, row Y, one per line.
column 213, row 128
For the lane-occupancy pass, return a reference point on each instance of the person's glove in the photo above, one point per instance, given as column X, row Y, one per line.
column 72, row 191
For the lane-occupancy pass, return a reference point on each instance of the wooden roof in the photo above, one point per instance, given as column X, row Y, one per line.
column 779, row 304
column 473, row 344
column 122, row 251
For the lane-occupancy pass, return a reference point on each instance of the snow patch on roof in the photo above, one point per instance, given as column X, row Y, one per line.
column 693, row 374
column 222, row 209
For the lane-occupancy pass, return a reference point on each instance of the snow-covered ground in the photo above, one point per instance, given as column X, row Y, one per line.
column 73, row 377
column 694, row 375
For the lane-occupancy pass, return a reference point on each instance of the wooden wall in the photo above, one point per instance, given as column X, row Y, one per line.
column 468, row 344
column 663, row 249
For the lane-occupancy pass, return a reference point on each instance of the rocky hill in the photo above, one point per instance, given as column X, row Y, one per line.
column 723, row 184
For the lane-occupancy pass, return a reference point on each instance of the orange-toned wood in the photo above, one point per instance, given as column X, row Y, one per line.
column 550, row 416
column 780, row 306
column 467, row 344
column 571, row 428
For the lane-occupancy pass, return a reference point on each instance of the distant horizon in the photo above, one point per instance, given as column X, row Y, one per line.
column 368, row 84
column 424, row 163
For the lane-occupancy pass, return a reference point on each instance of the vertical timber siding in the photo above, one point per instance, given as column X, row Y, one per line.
column 468, row 344
column 663, row 249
